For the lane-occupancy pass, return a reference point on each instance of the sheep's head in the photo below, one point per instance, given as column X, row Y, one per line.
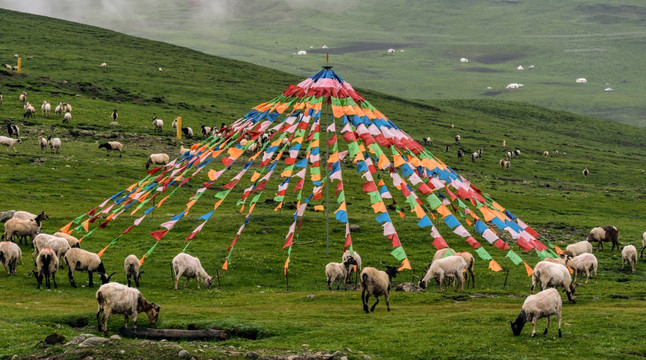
column 105, row 279
column 392, row 271
column 517, row 325
column 208, row 281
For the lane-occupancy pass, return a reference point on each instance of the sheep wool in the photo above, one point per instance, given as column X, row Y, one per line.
column 58, row 244
column 190, row 267
column 629, row 256
column 131, row 267
column 450, row 266
column 81, row 260
column 71, row 240
column 579, row 248
column 549, row 274
column 376, row 283
column 120, row 299
column 544, row 304
column 584, row 262
column 338, row 272
column 46, row 265
column 357, row 258
column 10, row 256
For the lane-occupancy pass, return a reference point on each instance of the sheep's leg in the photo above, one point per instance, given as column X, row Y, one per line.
column 186, row 283
column 177, row 280
column 576, row 273
column 136, row 281
column 531, row 291
column 329, row 282
column 47, row 282
column 91, row 282
column 641, row 254
column 558, row 318
column 128, row 277
column 54, row 280
column 70, row 275
column 462, row 280
column 633, row 264
column 534, row 326
column 622, row 264
column 364, row 300
column 441, row 281
column 125, row 316
column 99, row 318
column 106, row 316
column 386, row 296
column 547, row 325
column 587, row 275
column 375, row 304
column 134, row 320
column 197, row 280
column 39, row 280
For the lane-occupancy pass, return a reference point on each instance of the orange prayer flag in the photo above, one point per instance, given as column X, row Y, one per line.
column 252, row 207
column 162, row 201
column 337, row 111
column 66, row 228
column 286, row 265
column 379, row 207
column 383, row 161
column 570, row 270
column 443, row 210
column 494, row 266
column 319, row 208
column 86, row 224
column 190, row 203
column 286, row 173
column 398, row 160
column 141, row 261
column 242, row 209
column 102, row 251
column 381, row 182
column 131, row 187
column 235, row 152
column 255, row 176
column 142, row 198
column 81, row 239
column 211, row 175
column 405, row 265
column 333, row 158
column 280, row 205
column 558, row 250
column 225, row 266
column 215, row 154
column 110, row 216
column 217, row 204
column 419, row 212
column 529, row 270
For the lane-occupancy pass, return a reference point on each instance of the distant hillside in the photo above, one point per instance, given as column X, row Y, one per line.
column 601, row 41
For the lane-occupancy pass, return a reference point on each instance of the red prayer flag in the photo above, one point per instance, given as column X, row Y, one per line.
column 159, row 234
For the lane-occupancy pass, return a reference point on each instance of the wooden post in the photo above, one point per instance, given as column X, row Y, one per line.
column 19, row 65
column 179, row 128
column 506, row 276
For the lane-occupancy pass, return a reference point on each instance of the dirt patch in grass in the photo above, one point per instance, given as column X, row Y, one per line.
column 367, row 46
column 480, row 70
column 496, row 58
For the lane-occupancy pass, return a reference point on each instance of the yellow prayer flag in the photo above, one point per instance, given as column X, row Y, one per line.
column 319, row 208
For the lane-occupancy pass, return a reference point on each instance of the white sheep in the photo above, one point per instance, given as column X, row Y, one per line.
column 46, row 265
column 71, row 240
column 457, row 138
column 54, row 143
column 114, row 116
column 157, row 159
column 338, row 272
column 46, row 241
column 206, row 130
column 546, row 153
column 46, row 108
column 355, row 268
column 43, row 143
column 641, row 254
column 59, row 108
column 103, row 65
column 22, row 228
column 131, row 266
column 376, row 283
column 629, row 256
column 544, row 304
column 158, row 124
column 550, row 274
column 190, row 267
column 30, row 111
column 23, row 98
column 112, row 145
column 10, row 256
column 586, row 172
column 67, row 107
column 579, row 248
column 120, row 299
column 584, row 262
column 67, row 118
column 9, row 142
column 81, row 260
column 468, row 258
column 25, row 215
column 427, row 140
column 450, row 266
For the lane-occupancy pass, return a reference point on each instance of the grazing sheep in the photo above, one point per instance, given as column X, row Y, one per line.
column 157, row 159
column 30, row 111
column 46, row 108
column 517, row 152
column 114, row 116
column 6, row 215
column 206, row 131
column 131, row 266
column 450, row 266
column 502, row 163
column 54, row 143
column 447, row 147
column 376, row 283
column 357, row 258
column 45, row 241
column 13, row 130
column 22, row 228
column 190, row 267
column 120, row 299
column 9, row 142
column 460, row 154
column 47, row 265
column 555, row 152
column 603, row 234
column 25, row 215
column 67, row 107
column 544, row 304
column 112, row 145
column 43, row 143
column 10, row 256
column 546, row 153
column 427, row 140
column 338, row 272
column 71, row 240
column 584, row 262
column 579, row 248
column 103, row 65
column 81, row 260
column 468, row 258
column 23, row 98
column 457, row 138
column 185, row 130
column 59, row 109
column 641, row 254
column 629, row 256
column 550, row 274
column 507, row 164
column 475, row 156
column 157, row 124
column 67, row 118
column 558, row 260
column 586, row 172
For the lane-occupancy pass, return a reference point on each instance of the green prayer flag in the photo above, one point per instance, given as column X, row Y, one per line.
column 114, row 241
column 541, row 255
column 152, row 248
column 448, row 253
column 185, row 247
column 483, row 254
column 461, row 204
column 221, row 195
column 399, row 253
column 78, row 219
column 514, row 257
column 434, row 201
column 255, row 199
column 375, row 197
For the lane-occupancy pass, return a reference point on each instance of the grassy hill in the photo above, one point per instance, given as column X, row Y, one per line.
column 549, row 193
column 599, row 40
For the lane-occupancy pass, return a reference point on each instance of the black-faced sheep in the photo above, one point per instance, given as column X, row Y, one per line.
column 629, row 256
column 457, row 138
column 131, row 266
column 46, row 241
column 25, row 215
column 206, row 131
column 376, row 283
column 67, row 107
column 427, row 140
column 114, row 116
column 338, row 272
column 13, row 130
column 9, row 142
column 112, row 145
column 158, row 124
column 10, row 256
column 355, row 268
column 446, row 267
column 54, row 144
column 603, row 234
column 120, row 299
column 157, row 159
column 584, row 262
column 550, row 274
column 544, row 304
column 578, row 248
column 22, row 228
column 80, row 260
column 190, row 267
column 460, row 154
column 185, row 130
column 46, row 265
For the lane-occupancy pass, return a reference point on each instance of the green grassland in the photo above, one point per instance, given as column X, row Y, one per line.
column 600, row 40
column 252, row 300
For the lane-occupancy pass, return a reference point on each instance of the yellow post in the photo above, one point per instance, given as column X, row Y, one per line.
column 179, row 128
column 19, row 65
